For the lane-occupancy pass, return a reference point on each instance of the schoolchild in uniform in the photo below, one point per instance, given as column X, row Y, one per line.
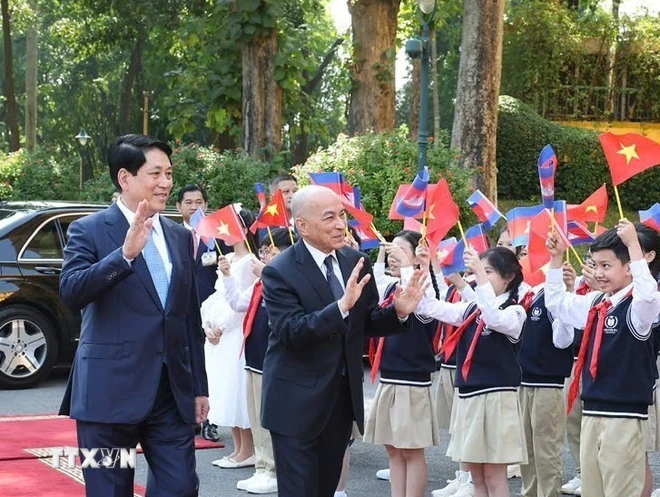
column 487, row 426
column 402, row 414
column 616, row 360
column 256, row 329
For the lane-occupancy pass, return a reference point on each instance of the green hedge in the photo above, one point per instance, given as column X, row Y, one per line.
column 379, row 163
column 522, row 133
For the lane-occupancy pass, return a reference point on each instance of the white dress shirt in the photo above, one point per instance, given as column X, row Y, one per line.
column 574, row 309
column 158, row 236
column 508, row 321
column 319, row 257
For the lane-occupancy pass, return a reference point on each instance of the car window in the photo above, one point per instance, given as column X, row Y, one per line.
column 45, row 244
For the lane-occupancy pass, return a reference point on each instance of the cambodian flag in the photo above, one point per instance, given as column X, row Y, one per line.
column 579, row 234
column 484, row 209
column 195, row 219
column 413, row 201
column 445, row 248
column 476, row 239
column 261, row 195
column 547, row 168
column 651, row 217
column 519, row 221
column 333, row 180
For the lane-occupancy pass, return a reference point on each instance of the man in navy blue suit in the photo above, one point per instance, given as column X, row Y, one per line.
column 321, row 301
column 139, row 373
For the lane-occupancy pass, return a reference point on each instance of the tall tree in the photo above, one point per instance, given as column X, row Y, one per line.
column 31, row 61
column 475, row 118
column 372, row 102
column 10, row 96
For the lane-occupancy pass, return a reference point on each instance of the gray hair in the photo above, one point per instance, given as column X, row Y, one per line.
column 302, row 198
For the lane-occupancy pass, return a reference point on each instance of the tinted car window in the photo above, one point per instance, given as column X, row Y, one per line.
column 45, row 244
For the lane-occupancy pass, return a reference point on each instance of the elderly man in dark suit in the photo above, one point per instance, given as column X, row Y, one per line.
column 139, row 374
column 321, row 301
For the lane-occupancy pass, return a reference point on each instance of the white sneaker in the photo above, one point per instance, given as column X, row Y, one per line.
column 452, row 487
column 656, row 493
column 465, row 490
column 513, row 471
column 243, row 484
column 264, row 485
column 383, row 474
column 571, row 486
column 578, row 491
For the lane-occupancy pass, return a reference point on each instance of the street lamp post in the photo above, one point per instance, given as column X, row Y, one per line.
column 420, row 48
column 82, row 138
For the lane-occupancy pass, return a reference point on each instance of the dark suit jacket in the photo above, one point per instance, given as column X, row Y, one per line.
column 309, row 338
column 206, row 275
column 126, row 334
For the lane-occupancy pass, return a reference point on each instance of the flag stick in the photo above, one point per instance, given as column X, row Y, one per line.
column 217, row 246
column 596, row 228
column 460, row 228
column 377, row 233
column 270, row 235
column 552, row 214
column 568, row 256
column 424, row 225
column 618, row 201
column 291, row 236
column 577, row 256
column 247, row 244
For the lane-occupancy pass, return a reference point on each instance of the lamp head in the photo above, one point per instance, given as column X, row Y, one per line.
column 426, row 6
column 83, row 137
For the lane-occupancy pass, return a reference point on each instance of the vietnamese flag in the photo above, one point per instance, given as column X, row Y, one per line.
column 629, row 154
column 651, row 217
column 441, row 211
column 359, row 214
column 540, row 226
column 592, row 210
column 224, row 224
column 274, row 214
column 532, row 278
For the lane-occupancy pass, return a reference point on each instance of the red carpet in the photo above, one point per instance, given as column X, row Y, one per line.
column 37, row 478
column 18, row 434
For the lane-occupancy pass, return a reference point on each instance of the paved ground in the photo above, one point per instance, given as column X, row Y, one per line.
column 215, row 482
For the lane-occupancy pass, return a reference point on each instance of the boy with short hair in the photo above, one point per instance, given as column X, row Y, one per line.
column 616, row 360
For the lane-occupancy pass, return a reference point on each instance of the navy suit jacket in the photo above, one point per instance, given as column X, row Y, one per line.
column 206, row 275
column 310, row 341
column 126, row 335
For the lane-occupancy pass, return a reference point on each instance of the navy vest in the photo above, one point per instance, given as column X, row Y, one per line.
column 542, row 364
column 257, row 343
column 495, row 364
column 623, row 387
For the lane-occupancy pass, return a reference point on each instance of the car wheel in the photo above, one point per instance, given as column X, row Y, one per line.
column 28, row 347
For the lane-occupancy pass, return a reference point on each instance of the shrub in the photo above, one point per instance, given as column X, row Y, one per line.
column 379, row 163
column 522, row 133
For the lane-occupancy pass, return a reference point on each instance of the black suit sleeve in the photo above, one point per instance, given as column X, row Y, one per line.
column 294, row 328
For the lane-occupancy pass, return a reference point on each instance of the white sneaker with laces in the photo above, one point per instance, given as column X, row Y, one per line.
column 571, row 486
column 243, row 484
column 266, row 484
column 578, row 491
column 452, row 487
column 465, row 490
column 383, row 474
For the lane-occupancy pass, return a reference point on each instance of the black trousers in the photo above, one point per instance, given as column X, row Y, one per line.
column 311, row 468
column 168, row 444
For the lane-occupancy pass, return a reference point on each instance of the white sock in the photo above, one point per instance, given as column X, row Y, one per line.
column 464, row 476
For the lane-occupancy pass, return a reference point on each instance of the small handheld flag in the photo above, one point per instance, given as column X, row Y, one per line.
column 223, row 224
column 273, row 215
column 333, row 180
column 195, row 219
column 519, row 220
column 579, row 234
column 412, row 202
column 484, row 209
column 476, row 239
column 547, row 167
column 593, row 209
column 651, row 217
column 442, row 213
column 261, row 195
column 629, row 154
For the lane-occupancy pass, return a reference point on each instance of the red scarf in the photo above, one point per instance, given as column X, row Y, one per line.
column 251, row 314
column 376, row 351
column 596, row 314
column 527, row 299
column 582, row 288
column 445, row 330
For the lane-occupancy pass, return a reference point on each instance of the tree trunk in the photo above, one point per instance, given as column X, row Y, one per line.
column 475, row 120
column 10, row 96
column 413, row 113
column 134, row 68
column 372, row 102
column 436, row 90
column 262, row 98
column 31, row 61
column 611, row 69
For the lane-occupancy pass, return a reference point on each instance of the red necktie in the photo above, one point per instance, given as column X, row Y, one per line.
column 451, row 343
column 378, row 355
column 445, row 330
column 467, row 364
column 598, row 311
column 582, row 288
column 251, row 314
column 526, row 301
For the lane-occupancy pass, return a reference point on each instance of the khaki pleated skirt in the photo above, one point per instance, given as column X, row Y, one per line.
column 488, row 428
column 402, row 416
column 653, row 426
column 444, row 396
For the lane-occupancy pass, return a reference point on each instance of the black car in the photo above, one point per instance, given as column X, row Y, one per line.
column 37, row 332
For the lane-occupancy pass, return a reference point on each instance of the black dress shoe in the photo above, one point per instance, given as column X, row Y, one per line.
column 210, row 432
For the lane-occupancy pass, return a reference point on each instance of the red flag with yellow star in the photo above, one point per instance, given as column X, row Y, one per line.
column 592, row 210
column 224, row 224
column 629, row 154
column 442, row 213
column 273, row 215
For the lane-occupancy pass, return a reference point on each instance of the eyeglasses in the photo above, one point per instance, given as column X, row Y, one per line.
column 263, row 252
